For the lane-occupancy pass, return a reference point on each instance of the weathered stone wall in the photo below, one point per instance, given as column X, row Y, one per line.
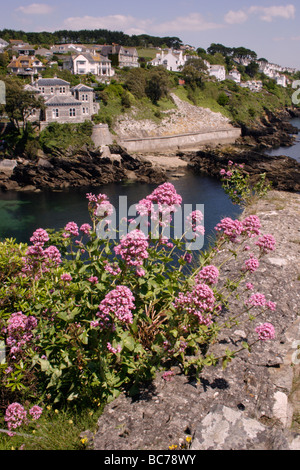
column 181, row 141
column 101, row 135
column 251, row 403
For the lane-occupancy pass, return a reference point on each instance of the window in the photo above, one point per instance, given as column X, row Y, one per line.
column 82, row 98
column 55, row 113
column 62, row 89
column 51, row 90
column 83, row 110
column 72, row 112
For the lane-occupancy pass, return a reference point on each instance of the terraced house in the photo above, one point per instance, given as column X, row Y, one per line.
column 63, row 104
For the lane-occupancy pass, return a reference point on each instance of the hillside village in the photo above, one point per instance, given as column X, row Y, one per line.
column 67, row 104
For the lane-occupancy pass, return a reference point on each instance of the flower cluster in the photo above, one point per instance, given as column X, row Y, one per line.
column 85, row 228
column 199, row 302
column 112, row 268
column 118, row 302
column 39, row 237
column 193, row 223
column 259, row 300
column 266, row 243
column 16, row 415
column 71, row 229
column 113, row 350
column 265, row 331
column 251, row 264
column 232, row 229
column 208, row 274
column 160, row 204
column 133, row 248
column 19, row 329
column 39, row 259
column 99, row 205
column 251, row 226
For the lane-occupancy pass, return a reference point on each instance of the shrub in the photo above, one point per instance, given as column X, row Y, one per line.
column 101, row 314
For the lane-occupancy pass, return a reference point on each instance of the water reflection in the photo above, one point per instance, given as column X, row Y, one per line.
column 22, row 213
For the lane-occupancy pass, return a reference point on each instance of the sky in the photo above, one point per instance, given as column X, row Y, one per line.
column 269, row 27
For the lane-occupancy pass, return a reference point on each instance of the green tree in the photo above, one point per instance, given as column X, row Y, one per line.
column 135, row 82
column 193, row 72
column 20, row 103
column 158, row 84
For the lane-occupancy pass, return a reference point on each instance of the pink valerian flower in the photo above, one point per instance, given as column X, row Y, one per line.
column 140, row 272
column 118, row 303
column 93, row 279
column 112, row 268
column 160, row 204
column 208, row 274
column 71, row 229
column 257, row 300
column 188, row 257
column 266, row 243
column 36, row 412
column 133, row 248
column 251, row 226
column 15, row 415
column 19, row 332
column 265, row 331
column 199, row 302
column 271, row 305
column 66, row 277
column 193, row 222
column 52, row 256
column 86, row 229
column 230, row 228
column 167, row 376
column 251, row 265
column 39, row 237
column 249, row 286
column 116, row 350
column 99, row 205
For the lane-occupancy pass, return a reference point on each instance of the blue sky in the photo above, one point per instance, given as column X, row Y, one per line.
column 269, row 27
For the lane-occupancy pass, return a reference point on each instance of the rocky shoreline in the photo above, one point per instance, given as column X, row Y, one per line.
column 94, row 167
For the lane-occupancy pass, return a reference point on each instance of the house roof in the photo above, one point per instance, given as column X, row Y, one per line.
column 25, row 61
column 92, row 57
column 3, row 43
column 51, row 82
column 82, row 87
column 60, row 100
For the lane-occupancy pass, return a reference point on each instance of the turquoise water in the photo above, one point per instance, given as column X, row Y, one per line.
column 22, row 213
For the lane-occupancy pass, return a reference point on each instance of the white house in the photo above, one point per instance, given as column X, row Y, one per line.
column 253, row 85
column 3, row 44
column 217, row 71
column 82, row 64
column 235, row 75
column 171, row 60
column 281, row 80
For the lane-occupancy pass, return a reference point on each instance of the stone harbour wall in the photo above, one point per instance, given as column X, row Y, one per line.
column 180, row 141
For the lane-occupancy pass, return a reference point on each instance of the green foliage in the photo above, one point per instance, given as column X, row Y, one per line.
column 223, row 99
column 56, row 137
column 239, row 187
